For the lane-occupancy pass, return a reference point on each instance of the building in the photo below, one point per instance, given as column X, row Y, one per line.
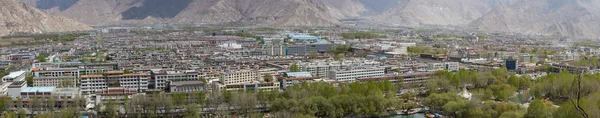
column 14, row 76
column 322, row 67
column 187, row 86
column 46, row 92
column 557, row 68
column 14, row 89
column 93, row 83
column 448, row 66
column 160, row 78
column 253, row 86
column 274, row 50
column 68, row 81
column 292, row 78
column 356, row 72
column 304, row 49
column 407, row 80
column 117, row 94
column 238, row 77
column 511, row 64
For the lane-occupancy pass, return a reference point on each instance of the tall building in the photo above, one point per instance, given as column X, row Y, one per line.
column 93, row 83
column 356, row 72
column 511, row 64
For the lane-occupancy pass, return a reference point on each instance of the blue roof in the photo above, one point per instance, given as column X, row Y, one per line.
column 38, row 89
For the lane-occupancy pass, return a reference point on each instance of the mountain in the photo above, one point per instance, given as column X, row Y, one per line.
column 558, row 17
column 438, row 12
column 242, row 12
column 16, row 17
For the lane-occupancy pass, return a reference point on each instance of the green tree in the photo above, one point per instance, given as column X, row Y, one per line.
column 268, row 77
column 536, row 109
column 294, row 68
column 22, row 113
column 29, row 79
column 191, row 111
column 110, row 109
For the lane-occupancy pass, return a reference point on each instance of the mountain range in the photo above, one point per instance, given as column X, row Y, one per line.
column 556, row 17
column 16, row 17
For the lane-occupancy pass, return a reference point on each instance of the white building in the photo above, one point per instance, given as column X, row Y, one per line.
column 238, row 77
column 55, row 81
column 93, row 83
column 356, row 72
column 14, row 76
column 14, row 89
column 322, row 67
column 161, row 77
column 448, row 66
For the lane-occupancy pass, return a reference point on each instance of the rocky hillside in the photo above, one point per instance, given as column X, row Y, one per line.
column 563, row 17
column 16, row 17
column 243, row 12
column 560, row 17
column 438, row 12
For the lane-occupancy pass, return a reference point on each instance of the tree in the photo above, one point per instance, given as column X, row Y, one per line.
column 339, row 57
column 312, row 55
column 202, row 79
column 22, row 113
column 536, row 109
column 244, row 102
column 29, row 78
column 66, row 83
column 294, row 68
column 268, row 77
column 191, row 111
column 110, row 109
column 179, row 99
column 126, row 71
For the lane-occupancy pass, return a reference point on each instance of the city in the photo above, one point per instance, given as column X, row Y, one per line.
column 271, row 72
column 299, row 59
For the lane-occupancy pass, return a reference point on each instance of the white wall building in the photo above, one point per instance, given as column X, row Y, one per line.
column 356, row 72
column 448, row 66
column 93, row 83
column 14, row 76
column 55, row 81
column 238, row 77
column 322, row 67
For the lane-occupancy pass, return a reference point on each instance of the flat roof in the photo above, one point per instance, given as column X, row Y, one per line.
column 14, row 74
column 38, row 89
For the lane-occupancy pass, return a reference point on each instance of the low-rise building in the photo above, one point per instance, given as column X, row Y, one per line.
column 254, row 86
column 352, row 73
column 61, row 81
column 14, row 76
column 187, row 86
column 448, row 66
column 117, row 94
column 293, row 78
column 238, row 77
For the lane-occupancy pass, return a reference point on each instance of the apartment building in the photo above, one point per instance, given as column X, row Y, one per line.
column 293, row 78
column 117, row 94
column 186, row 86
column 254, row 86
column 322, row 67
column 356, row 72
column 93, row 83
column 238, row 77
column 160, row 78
column 448, row 66
column 55, row 81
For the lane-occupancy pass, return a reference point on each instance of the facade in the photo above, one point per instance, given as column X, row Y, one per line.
column 55, row 81
column 356, row 72
column 448, row 66
column 93, row 83
column 14, row 89
column 14, row 76
column 117, row 94
column 255, row 86
column 238, row 77
column 186, row 86
column 304, row 49
column 160, row 78
column 322, row 67
column 46, row 92
column 293, row 78
column 557, row 68
column 407, row 80
column 274, row 50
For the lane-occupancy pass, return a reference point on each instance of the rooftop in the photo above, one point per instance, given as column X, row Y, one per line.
column 38, row 89
column 14, row 74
